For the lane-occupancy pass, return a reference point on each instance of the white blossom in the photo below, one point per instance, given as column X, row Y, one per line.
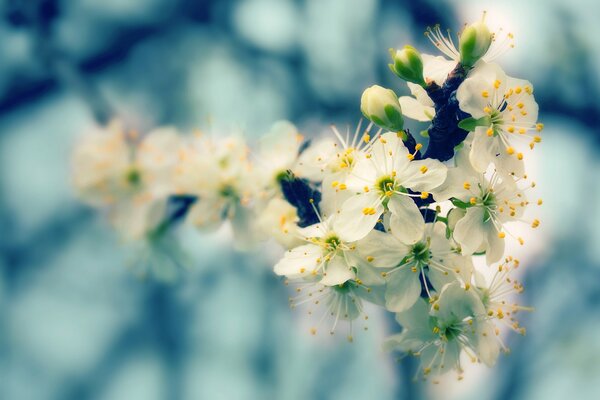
column 129, row 178
column 506, row 112
column 490, row 200
column 431, row 260
column 454, row 324
column 218, row 172
column 380, row 182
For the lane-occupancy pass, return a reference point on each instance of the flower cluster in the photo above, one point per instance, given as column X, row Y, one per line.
column 371, row 216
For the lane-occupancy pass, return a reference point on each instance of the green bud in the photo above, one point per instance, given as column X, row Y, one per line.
column 474, row 42
column 408, row 65
column 381, row 106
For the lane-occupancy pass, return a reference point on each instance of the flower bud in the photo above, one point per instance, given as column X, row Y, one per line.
column 474, row 42
column 381, row 106
column 408, row 65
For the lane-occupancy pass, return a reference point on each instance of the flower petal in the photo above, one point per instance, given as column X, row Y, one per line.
column 437, row 68
column 381, row 249
column 495, row 245
column 337, row 272
column 470, row 230
column 484, row 149
column 355, row 220
column 403, row 290
column 413, row 109
column 406, row 221
column 423, row 175
column 301, row 261
column 420, row 94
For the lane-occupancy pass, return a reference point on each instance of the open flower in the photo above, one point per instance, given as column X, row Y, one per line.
column 487, row 204
column 438, row 335
column 496, row 295
column 505, row 112
column 217, row 171
column 329, row 254
column 380, row 183
column 430, row 263
column 130, row 178
column 343, row 302
column 331, row 160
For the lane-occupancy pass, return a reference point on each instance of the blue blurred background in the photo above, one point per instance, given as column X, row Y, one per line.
column 75, row 323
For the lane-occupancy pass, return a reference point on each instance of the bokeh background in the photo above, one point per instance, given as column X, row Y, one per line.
column 75, row 323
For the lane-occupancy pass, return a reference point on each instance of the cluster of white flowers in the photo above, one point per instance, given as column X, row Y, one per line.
column 370, row 216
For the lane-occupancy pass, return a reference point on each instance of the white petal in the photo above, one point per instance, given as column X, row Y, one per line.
column 317, row 230
column 457, row 303
column 406, row 221
column 452, row 186
column 528, row 102
column 509, row 165
column 416, row 318
column 364, row 173
column 389, row 153
column 423, row 175
column 483, row 149
column 313, row 162
column 352, row 223
column 487, row 345
column 403, row 290
column 470, row 230
column 420, row 94
column 382, row 249
column 301, row 261
column 369, row 276
column 279, row 148
column 337, row 272
column 439, row 245
column 495, row 245
column 413, row 109
column 437, row 68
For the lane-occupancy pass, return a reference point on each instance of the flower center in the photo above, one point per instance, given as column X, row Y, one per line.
column 332, row 242
column 133, row 177
column 228, row 191
column 386, row 185
column 421, row 253
column 451, row 332
column 342, row 288
column 488, row 201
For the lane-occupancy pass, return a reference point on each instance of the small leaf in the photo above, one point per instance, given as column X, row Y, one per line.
column 469, row 124
column 459, row 203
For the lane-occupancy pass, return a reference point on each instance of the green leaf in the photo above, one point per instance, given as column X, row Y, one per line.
column 459, row 203
column 469, row 124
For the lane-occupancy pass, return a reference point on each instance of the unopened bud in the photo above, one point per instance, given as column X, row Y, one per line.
column 381, row 106
column 474, row 42
column 408, row 65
